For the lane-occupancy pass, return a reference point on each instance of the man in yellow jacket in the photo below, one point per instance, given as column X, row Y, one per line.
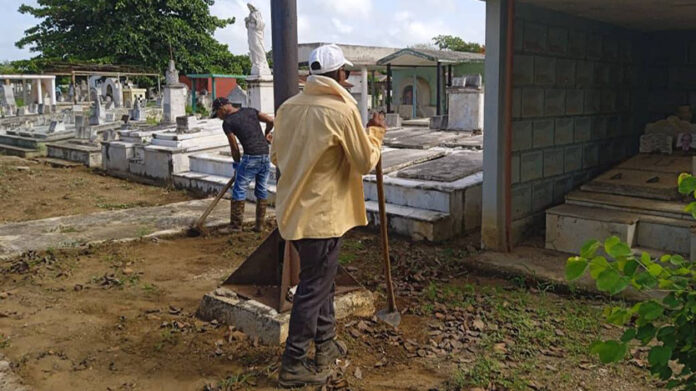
column 322, row 151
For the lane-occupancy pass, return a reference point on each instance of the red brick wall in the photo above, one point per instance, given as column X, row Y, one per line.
column 222, row 86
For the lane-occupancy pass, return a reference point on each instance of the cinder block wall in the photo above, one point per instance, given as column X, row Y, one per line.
column 576, row 89
column 670, row 73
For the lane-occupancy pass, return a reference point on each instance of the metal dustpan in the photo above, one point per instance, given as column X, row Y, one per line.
column 271, row 270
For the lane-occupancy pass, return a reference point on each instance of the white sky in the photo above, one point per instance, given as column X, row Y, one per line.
column 395, row 23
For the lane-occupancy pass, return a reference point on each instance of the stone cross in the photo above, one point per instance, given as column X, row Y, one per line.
column 97, row 116
column 172, row 75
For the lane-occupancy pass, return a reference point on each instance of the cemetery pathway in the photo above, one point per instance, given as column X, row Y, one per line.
column 118, row 225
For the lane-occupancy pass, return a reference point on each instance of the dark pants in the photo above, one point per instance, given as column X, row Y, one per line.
column 312, row 316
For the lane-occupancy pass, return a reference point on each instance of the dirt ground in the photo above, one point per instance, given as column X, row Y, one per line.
column 30, row 190
column 120, row 317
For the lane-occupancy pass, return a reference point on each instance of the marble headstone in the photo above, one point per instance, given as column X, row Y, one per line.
column 656, row 142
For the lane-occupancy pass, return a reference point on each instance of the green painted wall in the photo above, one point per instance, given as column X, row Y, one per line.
column 429, row 74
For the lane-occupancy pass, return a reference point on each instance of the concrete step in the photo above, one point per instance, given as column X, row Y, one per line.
column 418, row 224
column 20, row 151
column 215, row 163
column 211, row 184
column 569, row 227
column 673, row 209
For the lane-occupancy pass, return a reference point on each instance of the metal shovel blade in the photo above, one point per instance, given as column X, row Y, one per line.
column 391, row 318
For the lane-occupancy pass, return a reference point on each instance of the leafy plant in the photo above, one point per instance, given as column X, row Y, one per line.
column 665, row 324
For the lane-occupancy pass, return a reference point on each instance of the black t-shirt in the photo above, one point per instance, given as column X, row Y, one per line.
column 245, row 125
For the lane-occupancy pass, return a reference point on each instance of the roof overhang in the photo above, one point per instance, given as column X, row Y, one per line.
column 360, row 56
column 417, row 58
column 641, row 15
column 26, row 77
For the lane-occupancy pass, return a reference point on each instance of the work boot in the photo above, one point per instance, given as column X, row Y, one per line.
column 260, row 214
column 236, row 216
column 299, row 373
column 329, row 351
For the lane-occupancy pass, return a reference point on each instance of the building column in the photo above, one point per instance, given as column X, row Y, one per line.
column 53, row 92
column 495, row 207
column 438, row 109
column 414, row 98
column 388, row 96
column 214, row 88
column 38, row 91
column 364, row 92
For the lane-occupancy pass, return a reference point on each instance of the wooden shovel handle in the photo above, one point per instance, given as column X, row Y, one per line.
column 383, row 225
column 213, row 204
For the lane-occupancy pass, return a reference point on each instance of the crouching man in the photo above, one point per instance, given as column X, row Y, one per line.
column 254, row 164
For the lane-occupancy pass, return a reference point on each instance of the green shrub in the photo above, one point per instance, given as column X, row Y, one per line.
column 666, row 324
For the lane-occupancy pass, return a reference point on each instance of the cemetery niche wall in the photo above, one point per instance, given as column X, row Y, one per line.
column 601, row 124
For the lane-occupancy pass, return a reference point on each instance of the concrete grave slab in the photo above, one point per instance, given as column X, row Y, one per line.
column 423, row 141
column 394, row 135
column 446, row 169
column 397, row 159
column 465, row 141
column 645, row 184
column 659, row 163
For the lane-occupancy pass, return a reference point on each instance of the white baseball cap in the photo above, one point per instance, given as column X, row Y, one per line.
column 329, row 57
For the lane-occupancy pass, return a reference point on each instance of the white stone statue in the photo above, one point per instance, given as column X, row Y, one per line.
column 257, row 52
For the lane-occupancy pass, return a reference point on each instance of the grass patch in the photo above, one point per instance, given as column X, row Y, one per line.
column 167, row 337
column 118, row 206
column 68, row 229
column 4, row 341
column 235, row 382
column 484, row 373
column 144, row 231
column 346, row 258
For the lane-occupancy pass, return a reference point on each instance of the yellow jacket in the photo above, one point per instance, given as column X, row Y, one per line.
column 322, row 151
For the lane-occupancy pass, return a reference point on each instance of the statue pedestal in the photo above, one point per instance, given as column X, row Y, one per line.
column 174, row 104
column 260, row 93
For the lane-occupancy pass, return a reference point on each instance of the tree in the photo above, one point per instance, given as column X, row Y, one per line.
column 457, row 44
column 131, row 32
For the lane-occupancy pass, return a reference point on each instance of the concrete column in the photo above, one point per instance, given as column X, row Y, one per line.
column 285, row 65
column 38, row 91
column 438, row 109
column 363, row 94
column 389, row 88
column 414, row 98
column 493, row 207
column 53, row 92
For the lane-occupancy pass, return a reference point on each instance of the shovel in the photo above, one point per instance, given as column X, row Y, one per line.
column 389, row 315
column 197, row 228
